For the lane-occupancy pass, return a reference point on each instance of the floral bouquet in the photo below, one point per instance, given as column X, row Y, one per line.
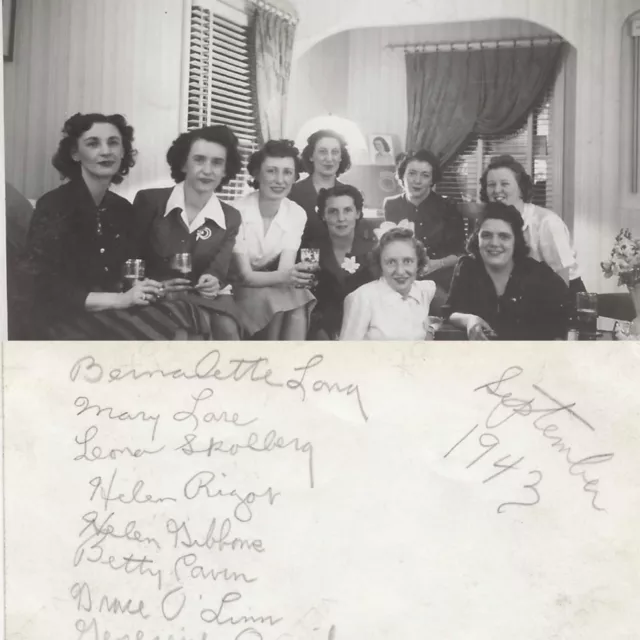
column 625, row 260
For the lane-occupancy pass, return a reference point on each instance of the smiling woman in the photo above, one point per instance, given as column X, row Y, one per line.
column 395, row 307
column 80, row 238
column 272, row 291
column 499, row 291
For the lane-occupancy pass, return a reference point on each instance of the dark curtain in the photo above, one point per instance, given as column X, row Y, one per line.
column 453, row 94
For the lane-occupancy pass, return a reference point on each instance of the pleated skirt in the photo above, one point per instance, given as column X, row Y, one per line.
column 258, row 305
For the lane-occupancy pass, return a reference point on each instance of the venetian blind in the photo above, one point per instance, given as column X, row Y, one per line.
column 220, row 87
column 530, row 145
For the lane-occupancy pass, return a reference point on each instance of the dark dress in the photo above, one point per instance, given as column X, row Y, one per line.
column 19, row 296
column 438, row 225
column 304, row 193
column 536, row 304
column 159, row 237
column 336, row 283
column 75, row 248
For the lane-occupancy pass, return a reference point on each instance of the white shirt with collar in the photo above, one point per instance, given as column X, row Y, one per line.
column 375, row 311
column 211, row 211
column 550, row 241
column 284, row 233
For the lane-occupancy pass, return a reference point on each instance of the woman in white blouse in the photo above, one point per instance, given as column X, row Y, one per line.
column 272, row 292
column 395, row 307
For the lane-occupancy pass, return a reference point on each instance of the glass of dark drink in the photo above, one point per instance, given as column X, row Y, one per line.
column 132, row 271
column 182, row 266
column 587, row 312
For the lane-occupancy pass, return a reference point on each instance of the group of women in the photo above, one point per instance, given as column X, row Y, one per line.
column 251, row 276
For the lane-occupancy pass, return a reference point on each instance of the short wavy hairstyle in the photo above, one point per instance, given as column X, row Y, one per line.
column 273, row 149
column 525, row 184
column 395, row 235
column 422, row 155
column 312, row 141
column 340, row 190
column 72, row 131
column 509, row 214
column 179, row 151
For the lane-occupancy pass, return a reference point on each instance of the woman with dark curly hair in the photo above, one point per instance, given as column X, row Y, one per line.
column 81, row 235
column 499, row 292
column 439, row 225
column 396, row 306
column 505, row 180
column 345, row 258
column 189, row 218
column 272, row 290
column 324, row 158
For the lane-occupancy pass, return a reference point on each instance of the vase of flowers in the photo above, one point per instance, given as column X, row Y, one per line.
column 624, row 263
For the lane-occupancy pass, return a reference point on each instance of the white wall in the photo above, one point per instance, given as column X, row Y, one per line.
column 594, row 27
column 91, row 55
column 319, row 83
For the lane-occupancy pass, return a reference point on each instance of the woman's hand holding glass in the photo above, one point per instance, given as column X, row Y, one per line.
column 142, row 293
column 301, row 276
column 310, row 263
column 433, row 326
column 479, row 329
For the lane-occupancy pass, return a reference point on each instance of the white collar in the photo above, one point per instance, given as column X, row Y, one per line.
column 211, row 211
column 413, row 292
column 255, row 217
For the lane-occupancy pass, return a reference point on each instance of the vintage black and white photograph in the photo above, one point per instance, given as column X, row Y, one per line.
column 381, row 149
column 212, row 170
column 341, row 203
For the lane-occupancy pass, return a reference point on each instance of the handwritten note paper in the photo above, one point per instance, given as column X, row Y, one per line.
column 248, row 492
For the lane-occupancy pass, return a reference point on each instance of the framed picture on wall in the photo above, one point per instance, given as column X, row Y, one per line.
column 381, row 149
column 8, row 24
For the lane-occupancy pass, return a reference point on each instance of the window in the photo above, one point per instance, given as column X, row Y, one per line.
column 531, row 146
column 220, row 89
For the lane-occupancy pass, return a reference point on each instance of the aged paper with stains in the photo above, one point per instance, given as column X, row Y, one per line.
column 322, row 491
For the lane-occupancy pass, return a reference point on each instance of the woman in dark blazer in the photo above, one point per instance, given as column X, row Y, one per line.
column 345, row 261
column 189, row 218
column 499, row 291
column 438, row 224
column 79, row 238
column 325, row 158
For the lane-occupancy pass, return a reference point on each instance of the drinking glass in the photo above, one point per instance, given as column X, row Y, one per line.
column 182, row 265
column 311, row 259
column 587, row 310
column 131, row 271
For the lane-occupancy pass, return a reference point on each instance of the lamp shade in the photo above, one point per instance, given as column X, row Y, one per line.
column 348, row 129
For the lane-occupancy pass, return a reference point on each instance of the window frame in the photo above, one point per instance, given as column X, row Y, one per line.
column 248, row 144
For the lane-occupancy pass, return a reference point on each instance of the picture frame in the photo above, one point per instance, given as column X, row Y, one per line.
column 8, row 27
column 381, row 149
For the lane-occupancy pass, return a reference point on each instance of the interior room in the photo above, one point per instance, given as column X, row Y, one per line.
column 348, row 71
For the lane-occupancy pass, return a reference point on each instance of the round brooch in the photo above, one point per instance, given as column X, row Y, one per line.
column 204, row 233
